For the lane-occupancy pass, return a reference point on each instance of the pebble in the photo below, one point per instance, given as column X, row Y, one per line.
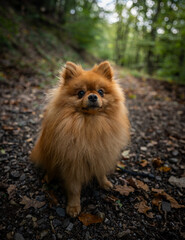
column 87, row 235
column 22, row 177
column 61, row 212
column 65, row 223
column 18, row 236
column 15, row 174
column 59, row 236
column 6, row 169
column 43, row 234
column 173, row 160
column 175, row 153
column 69, row 227
column 56, row 223
column 158, row 178
column 123, row 233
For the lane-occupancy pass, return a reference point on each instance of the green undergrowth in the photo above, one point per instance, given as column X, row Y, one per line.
column 34, row 47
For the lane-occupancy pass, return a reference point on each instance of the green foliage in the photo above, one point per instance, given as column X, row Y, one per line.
column 146, row 36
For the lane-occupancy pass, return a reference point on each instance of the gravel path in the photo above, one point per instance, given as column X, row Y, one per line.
column 148, row 200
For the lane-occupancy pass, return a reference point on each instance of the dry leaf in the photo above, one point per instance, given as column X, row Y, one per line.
column 87, row 218
column 138, row 184
column 157, row 162
column 164, row 169
column 31, row 203
column 111, row 198
column 124, row 190
column 125, row 154
column 8, row 128
column 143, row 163
column 29, row 140
column 52, row 198
column 11, row 191
column 120, row 165
column 143, row 208
column 160, row 193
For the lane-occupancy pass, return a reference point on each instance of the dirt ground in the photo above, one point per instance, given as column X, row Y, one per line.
column 148, row 199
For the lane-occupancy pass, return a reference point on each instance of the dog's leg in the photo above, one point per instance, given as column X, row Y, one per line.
column 105, row 183
column 73, row 197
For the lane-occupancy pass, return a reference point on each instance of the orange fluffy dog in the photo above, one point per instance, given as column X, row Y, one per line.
column 84, row 129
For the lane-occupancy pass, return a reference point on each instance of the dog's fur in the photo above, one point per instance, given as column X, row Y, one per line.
column 79, row 139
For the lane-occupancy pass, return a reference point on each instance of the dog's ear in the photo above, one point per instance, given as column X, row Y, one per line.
column 104, row 69
column 71, row 70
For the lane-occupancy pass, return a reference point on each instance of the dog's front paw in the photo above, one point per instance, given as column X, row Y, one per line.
column 73, row 211
column 107, row 185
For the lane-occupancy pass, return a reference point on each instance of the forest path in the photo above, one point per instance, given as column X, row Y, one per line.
column 30, row 209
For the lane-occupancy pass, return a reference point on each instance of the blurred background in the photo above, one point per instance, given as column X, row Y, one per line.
column 144, row 37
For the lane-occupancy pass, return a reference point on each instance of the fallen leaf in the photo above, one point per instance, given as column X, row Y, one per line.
column 8, row 128
column 151, row 144
column 160, row 193
column 164, row 169
column 125, row 154
column 178, row 182
column 29, row 140
column 143, row 208
column 87, row 219
column 3, row 151
column 124, row 190
column 111, row 198
column 143, row 163
column 31, row 203
column 157, row 162
column 157, row 202
column 11, row 191
column 120, row 166
column 52, row 198
column 138, row 184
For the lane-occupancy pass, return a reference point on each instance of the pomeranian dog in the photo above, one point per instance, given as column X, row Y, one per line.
column 85, row 127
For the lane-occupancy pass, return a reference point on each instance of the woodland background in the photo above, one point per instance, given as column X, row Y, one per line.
column 146, row 37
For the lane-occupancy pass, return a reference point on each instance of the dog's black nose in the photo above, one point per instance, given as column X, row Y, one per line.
column 93, row 98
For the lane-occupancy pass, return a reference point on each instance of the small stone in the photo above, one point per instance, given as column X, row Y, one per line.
column 175, row 153
column 56, row 223
column 106, row 221
column 22, row 177
column 15, row 174
column 59, row 236
column 18, row 236
column 6, row 169
column 123, row 233
column 158, row 178
column 61, row 212
column 43, row 234
column 166, row 206
column 34, row 219
column 143, row 149
column 101, row 215
column 87, row 235
column 69, row 227
column 173, row 160
column 41, row 221
column 65, row 223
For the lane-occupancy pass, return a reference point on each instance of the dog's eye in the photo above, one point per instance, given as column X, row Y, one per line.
column 81, row 93
column 100, row 91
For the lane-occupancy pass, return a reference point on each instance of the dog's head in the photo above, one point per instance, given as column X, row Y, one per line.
column 90, row 91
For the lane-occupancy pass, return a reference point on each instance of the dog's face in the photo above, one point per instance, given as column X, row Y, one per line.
column 89, row 91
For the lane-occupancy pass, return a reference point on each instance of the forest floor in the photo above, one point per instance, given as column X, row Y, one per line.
column 148, row 202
